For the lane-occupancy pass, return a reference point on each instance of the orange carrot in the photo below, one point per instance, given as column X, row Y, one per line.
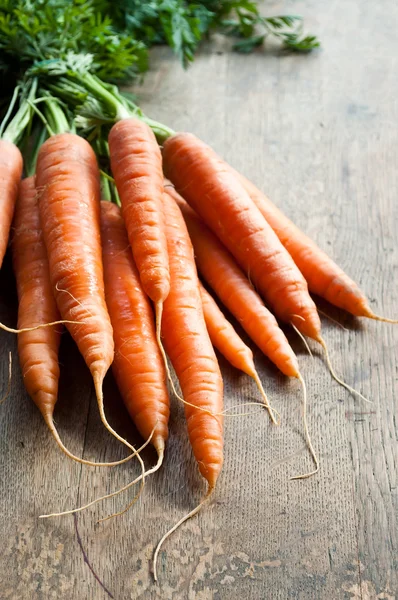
column 136, row 163
column 324, row 277
column 69, row 205
column 191, row 353
column 219, row 198
column 10, row 176
column 224, row 337
column 38, row 348
column 138, row 365
column 219, row 269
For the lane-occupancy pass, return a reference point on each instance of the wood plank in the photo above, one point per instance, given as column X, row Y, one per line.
column 317, row 133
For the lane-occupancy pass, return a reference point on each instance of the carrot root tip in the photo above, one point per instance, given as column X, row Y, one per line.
column 176, row 526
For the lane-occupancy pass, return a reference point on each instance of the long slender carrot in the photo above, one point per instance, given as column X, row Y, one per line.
column 136, row 163
column 218, row 268
column 69, row 205
column 324, row 277
column 219, row 198
column 37, row 348
column 10, row 176
column 191, row 353
column 224, row 337
column 138, row 365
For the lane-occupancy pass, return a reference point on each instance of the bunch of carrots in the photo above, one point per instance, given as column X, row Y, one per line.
column 110, row 236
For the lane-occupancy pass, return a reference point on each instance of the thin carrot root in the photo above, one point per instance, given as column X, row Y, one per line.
column 100, row 399
column 337, row 378
column 371, row 315
column 307, row 435
column 158, row 322
column 331, row 319
column 272, row 411
column 303, row 339
column 50, row 424
column 41, row 326
column 8, row 390
column 112, row 494
column 176, row 526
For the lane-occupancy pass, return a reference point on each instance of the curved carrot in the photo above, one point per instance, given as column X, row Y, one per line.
column 136, row 163
column 69, row 205
column 37, row 348
column 219, row 269
column 215, row 193
column 324, row 277
column 138, row 365
column 11, row 164
column 224, row 337
column 191, row 353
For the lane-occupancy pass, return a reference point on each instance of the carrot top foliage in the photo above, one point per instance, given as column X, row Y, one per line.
column 118, row 33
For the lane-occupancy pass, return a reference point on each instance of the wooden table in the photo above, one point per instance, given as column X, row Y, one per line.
column 319, row 134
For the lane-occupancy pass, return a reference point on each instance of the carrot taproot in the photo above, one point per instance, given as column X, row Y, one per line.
column 138, row 365
column 37, row 348
column 136, row 164
column 218, row 267
column 190, row 350
column 324, row 277
column 67, row 178
column 222, row 202
column 224, row 337
column 11, row 164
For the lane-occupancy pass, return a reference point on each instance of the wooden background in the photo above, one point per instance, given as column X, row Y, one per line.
column 319, row 134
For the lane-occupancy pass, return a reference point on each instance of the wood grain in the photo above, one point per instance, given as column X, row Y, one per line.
column 318, row 134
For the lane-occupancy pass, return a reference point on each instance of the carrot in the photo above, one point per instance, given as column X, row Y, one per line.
column 10, row 176
column 218, row 268
column 219, row 198
column 136, row 163
column 38, row 348
column 224, row 337
column 138, row 366
column 324, row 277
column 69, row 205
column 190, row 350
column 215, row 192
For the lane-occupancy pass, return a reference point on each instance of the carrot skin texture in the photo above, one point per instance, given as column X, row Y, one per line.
column 218, row 197
column 224, row 337
column 69, row 205
column 11, row 164
column 138, row 366
column 38, row 350
column 324, row 277
column 218, row 268
column 190, row 350
column 136, row 163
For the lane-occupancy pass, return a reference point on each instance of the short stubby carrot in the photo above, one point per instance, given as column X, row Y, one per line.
column 218, row 267
column 324, row 277
column 136, row 163
column 219, row 198
column 37, row 348
column 224, row 337
column 11, row 164
column 67, row 178
column 138, row 365
column 190, row 350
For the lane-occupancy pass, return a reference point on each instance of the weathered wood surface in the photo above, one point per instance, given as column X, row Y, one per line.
column 319, row 134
